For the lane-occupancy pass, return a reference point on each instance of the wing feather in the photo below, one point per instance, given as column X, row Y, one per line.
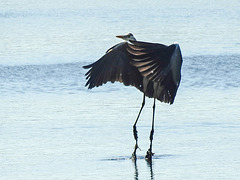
column 161, row 65
column 151, row 59
column 113, row 66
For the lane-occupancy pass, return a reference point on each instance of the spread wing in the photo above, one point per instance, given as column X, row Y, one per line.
column 151, row 59
column 160, row 65
column 113, row 66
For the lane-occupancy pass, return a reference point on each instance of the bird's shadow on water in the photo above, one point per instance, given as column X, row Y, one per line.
column 140, row 158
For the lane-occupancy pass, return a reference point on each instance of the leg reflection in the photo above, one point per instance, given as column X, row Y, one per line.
column 151, row 170
column 136, row 172
column 136, row 169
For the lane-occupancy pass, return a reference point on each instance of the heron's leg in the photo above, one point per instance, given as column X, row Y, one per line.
column 149, row 154
column 135, row 129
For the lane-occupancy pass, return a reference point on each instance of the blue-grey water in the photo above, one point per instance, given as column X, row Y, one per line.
column 52, row 127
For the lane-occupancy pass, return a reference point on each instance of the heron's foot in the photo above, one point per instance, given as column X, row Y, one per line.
column 134, row 156
column 149, row 156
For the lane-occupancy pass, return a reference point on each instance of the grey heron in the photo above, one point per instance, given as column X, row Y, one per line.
column 153, row 68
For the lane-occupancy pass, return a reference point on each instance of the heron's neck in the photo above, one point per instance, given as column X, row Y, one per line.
column 129, row 40
column 134, row 39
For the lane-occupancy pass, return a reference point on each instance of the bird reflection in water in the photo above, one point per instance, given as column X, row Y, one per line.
column 136, row 173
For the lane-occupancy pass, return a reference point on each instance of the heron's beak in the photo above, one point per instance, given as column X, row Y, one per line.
column 121, row 36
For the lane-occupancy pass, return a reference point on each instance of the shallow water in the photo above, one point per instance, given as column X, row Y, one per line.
column 52, row 127
column 72, row 136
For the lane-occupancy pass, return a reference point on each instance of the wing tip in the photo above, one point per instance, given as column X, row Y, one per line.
column 86, row 67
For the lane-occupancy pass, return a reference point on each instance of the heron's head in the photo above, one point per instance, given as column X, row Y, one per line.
column 127, row 37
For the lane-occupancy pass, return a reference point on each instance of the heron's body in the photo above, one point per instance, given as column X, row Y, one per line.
column 154, row 69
